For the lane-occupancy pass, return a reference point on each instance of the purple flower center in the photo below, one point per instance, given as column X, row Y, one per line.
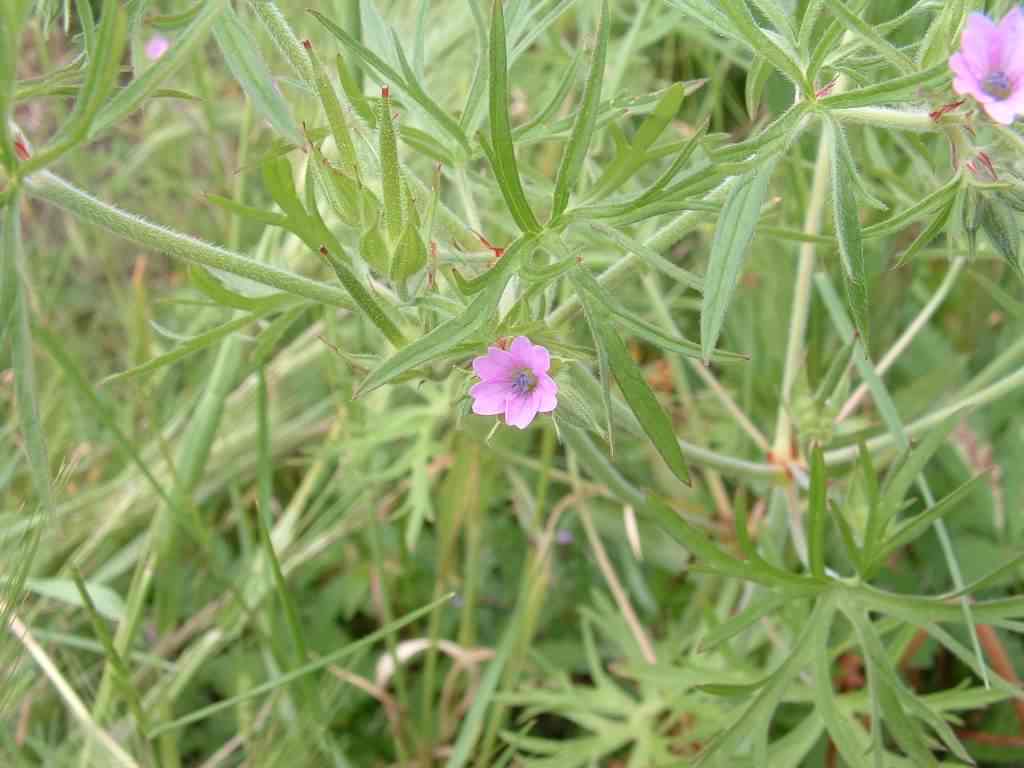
column 523, row 382
column 997, row 84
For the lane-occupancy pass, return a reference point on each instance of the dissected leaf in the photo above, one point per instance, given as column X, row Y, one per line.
column 733, row 233
column 848, row 229
column 586, row 120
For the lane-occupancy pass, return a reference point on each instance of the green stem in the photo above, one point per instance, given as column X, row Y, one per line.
column 53, row 189
column 801, row 301
column 883, row 117
column 46, row 186
column 1006, row 386
column 285, row 39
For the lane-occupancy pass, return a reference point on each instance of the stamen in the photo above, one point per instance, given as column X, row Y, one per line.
column 997, row 84
column 523, row 382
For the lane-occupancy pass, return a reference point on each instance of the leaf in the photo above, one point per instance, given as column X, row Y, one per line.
column 837, row 368
column 765, row 605
column 341, row 192
column 407, row 86
column 586, row 120
column 277, row 178
column 935, row 227
column 260, row 215
column 451, row 333
column 557, row 98
column 841, row 730
column 100, row 79
column 669, row 342
column 193, row 345
column 603, row 374
column 410, row 254
column 899, row 482
column 895, row 90
column 911, row 529
column 848, row 231
column 858, row 26
column 354, row 93
column 108, row 603
column 391, row 178
column 374, row 250
column 502, row 153
column 268, row 340
column 757, row 76
column 999, row 224
column 11, row 18
column 335, row 114
column 652, row 417
column 212, row 287
column 241, row 52
column 649, row 255
column 658, row 191
column 938, row 41
column 173, row 21
column 754, row 717
column 363, row 298
column 733, row 233
column 763, row 44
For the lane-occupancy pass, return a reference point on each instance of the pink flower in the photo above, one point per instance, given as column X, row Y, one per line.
column 156, row 47
column 514, row 382
column 990, row 64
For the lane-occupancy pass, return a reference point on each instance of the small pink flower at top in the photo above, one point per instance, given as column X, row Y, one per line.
column 990, row 64
column 514, row 382
column 156, row 47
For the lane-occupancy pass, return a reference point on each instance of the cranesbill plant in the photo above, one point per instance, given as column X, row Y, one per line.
column 699, row 254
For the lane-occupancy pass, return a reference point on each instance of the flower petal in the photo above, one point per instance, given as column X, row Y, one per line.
column 1012, row 27
column 496, row 364
column 490, row 397
column 981, row 45
column 522, row 351
column 521, row 409
column 965, row 83
column 547, row 390
column 1011, row 23
column 540, row 360
column 1005, row 111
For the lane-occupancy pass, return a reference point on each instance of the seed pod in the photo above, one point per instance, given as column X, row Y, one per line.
column 374, row 250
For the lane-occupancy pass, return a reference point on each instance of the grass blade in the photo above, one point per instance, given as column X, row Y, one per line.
column 25, row 388
column 313, row 666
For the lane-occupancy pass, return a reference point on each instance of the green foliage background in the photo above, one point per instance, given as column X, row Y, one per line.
column 248, row 517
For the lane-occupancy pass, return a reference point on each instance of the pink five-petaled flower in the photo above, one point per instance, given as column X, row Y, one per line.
column 156, row 47
column 990, row 64
column 514, row 382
